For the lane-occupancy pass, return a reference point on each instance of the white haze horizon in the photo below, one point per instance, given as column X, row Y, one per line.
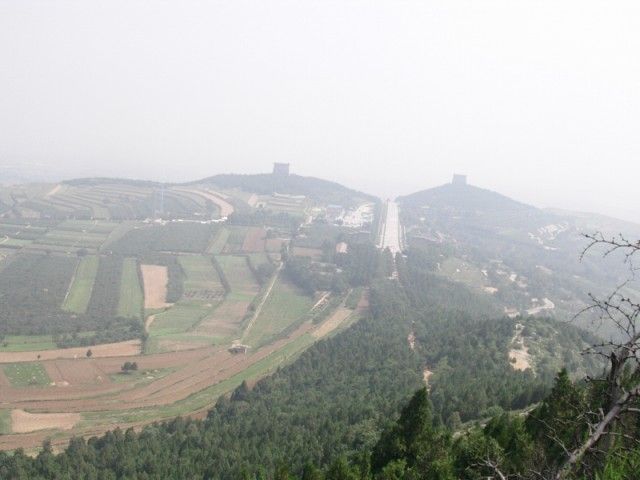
column 539, row 101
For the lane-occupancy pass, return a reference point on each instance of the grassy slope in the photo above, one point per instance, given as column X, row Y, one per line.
column 77, row 299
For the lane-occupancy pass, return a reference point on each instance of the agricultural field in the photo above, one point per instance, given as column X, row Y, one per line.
column 228, row 318
column 103, row 200
column 283, row 308
column 235, row 239
column 218, row 241
column 72, row 236
column 131, row 299
column 203, row 291
column 190, row 237
column 72, row 298
column 26, row 374
column 79, row 294
column 32, row 290
column 92, row 267
column 26, row 343
column 155, row 281
column 105, row 296
column 5, row 421
column 202, row 281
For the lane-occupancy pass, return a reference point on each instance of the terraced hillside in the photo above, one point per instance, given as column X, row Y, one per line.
column 96, row 273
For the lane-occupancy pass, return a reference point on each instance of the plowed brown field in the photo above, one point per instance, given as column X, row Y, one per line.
column 155, row 279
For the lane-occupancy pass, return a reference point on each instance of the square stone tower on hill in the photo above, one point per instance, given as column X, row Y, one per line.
column 281, row 169
column 459, row 179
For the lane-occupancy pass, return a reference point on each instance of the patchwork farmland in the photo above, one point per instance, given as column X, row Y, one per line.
column 96, row 273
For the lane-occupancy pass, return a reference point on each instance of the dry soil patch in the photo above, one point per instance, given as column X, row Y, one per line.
column 155, row 279
column 25, row 422
column 334, row 322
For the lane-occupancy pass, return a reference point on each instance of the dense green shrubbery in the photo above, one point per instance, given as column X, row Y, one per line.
column 172, row 237
column 32, row 288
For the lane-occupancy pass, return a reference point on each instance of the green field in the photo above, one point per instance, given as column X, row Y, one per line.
column 219, row 241
column 131, row 302
column 239, row 275
column 5, row 422
column 26, row 374
column 200, row 274
column 235, row 239
column 178, row 319
column 79, row 294
column 174, row 323
column 285, row 305
column 205, row 315
column 202, row 294
column 26, row 343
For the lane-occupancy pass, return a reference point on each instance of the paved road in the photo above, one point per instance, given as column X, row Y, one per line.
column 391, row 230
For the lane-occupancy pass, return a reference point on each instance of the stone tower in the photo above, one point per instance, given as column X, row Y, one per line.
column 459, row 179
column 281, row 169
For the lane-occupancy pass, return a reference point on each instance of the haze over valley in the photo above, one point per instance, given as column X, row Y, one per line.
column 319, row 240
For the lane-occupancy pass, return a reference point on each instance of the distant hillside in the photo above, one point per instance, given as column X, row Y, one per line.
column 320, row 190
column 476, row 205
column 590, row 222
column 517, row 254
column 463, row 197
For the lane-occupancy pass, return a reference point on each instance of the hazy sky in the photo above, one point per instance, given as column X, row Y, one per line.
column 539, row 100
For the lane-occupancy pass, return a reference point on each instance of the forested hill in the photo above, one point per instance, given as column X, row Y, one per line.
column 464, row 197
column 318, row 189
column 475, row 205
column 517, row 253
